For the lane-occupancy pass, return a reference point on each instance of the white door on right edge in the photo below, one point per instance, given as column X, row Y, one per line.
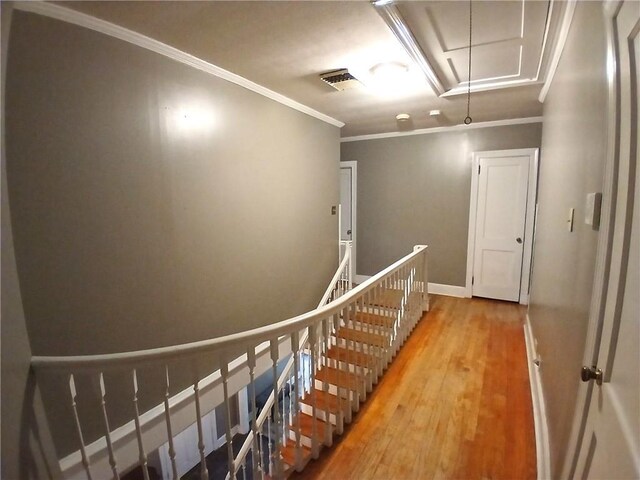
column 500, row 226
column 610, row 446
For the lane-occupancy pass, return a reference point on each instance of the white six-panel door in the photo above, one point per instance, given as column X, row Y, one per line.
column 500, row 219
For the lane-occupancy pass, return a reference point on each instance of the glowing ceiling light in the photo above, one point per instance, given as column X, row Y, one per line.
column 381, row 3
column 389, row 72
column 394, row 79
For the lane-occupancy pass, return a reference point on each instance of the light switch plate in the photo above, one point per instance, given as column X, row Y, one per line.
column 592, row 210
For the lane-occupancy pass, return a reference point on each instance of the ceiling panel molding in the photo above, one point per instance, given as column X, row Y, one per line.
column 426, row 131
column 520, row 34
column 87, row 21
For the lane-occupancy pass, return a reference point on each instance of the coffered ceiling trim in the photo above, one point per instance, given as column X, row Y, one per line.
column 424, row 131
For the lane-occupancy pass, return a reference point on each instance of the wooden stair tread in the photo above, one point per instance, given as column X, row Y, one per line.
column 362, row 337
column 306, row 426
column 360, row 359
column 325, row 401
column 338, row 378
column 288, row 453
column 374, row 319
column 390, row 298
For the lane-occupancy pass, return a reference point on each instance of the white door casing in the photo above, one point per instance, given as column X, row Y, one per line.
column 501, row 224
column 345, row 204
column 606, row 429
column 348, row 204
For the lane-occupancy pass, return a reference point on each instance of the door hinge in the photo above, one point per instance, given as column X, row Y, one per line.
column 473, row 279
column 478, row 169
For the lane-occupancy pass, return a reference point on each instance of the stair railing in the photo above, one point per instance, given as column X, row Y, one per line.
column 341, row 282
column 335, row 354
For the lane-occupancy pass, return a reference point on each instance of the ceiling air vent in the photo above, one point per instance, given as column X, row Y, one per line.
column 340, row 79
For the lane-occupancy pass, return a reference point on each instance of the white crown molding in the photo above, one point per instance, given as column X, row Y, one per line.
column 426, row 131
column 558, row 48
column 87, row 21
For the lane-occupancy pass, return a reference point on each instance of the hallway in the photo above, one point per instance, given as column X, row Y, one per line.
column 455, row 403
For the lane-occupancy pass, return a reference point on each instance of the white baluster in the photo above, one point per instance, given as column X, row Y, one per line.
column 275, row 355
column 315, row 448
column 368, row 305
column 136, row 419
column 105, row 418
column 167, row 418
column 357, row 365
column 285, row 417
column 261, row 469
column 270, row 449
column 351, row 398
column 255, row 450
column 83, row 449
column 204, row 472
column 328, row 438
column 224, row 371
column 295, row 349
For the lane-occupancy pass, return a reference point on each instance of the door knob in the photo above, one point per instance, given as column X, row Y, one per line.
column 519, row 240
column 348, row 232
column 591, row 373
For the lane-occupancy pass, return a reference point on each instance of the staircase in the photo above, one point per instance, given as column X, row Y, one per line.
column 359, row 352
column 333, row 356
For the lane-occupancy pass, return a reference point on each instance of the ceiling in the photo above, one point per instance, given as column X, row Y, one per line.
column 286, row 45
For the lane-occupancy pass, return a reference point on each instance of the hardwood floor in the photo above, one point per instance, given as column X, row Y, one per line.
column 454, row 404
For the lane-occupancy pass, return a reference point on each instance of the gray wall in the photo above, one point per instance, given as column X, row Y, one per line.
column 416, row 189
column 573, row 152
column 133, row 230
column 23, row 444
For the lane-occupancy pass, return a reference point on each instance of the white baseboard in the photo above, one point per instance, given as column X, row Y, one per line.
column 448, row 290
column 435, row 288
column 539, row 411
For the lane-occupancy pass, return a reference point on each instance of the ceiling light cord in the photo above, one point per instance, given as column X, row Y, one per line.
column 467, row 119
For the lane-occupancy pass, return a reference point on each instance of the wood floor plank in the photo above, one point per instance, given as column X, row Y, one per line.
column 454, row 404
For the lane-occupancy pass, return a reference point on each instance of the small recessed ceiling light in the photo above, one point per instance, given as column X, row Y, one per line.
column 434, row 113
column 403, row 117
column 381, row 3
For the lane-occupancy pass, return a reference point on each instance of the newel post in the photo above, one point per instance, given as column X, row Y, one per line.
column 351, row 265
column 425, row 277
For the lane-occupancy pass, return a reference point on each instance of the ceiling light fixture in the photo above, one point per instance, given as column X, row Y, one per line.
column 393, row 79
column 389, row 72
column 403, row 117
column 391, row 16
column 467, row 119
column 380, row 3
